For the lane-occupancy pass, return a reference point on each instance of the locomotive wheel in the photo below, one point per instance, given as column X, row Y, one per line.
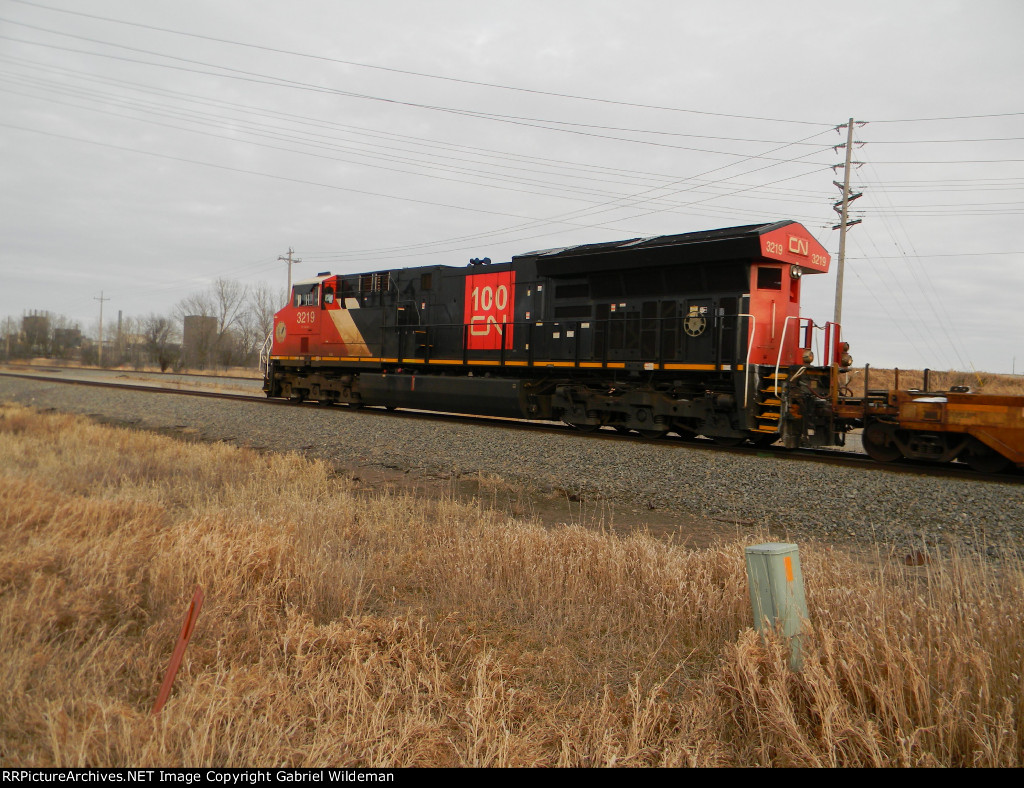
column 877, row 445
column 623, row 430
column 983, row 459
column 585, row 427
column 762, row 441
column 685, row 435
column 724, row 440
column 653, row 434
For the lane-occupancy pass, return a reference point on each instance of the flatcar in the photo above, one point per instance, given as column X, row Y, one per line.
column 694, row 334
column 986, row 431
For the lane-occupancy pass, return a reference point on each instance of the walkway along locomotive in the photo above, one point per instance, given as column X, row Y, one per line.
column 697, row 334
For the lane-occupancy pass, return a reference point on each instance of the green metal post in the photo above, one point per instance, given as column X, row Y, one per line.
column 777, row 592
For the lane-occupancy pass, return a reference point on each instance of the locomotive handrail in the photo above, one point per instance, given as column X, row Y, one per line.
column 782, row 342
column 265, row 353
column 750, row 346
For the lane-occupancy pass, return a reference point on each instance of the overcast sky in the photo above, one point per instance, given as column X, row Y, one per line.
column 149, row 148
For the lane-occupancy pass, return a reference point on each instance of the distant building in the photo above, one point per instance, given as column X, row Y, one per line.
column 35, row 332
column 67, row 338
column 67, row 342
column 199, row 341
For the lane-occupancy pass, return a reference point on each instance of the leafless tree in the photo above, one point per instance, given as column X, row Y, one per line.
column 159, row 335
column 229, row 299
column 224, row 301
column 264, row 302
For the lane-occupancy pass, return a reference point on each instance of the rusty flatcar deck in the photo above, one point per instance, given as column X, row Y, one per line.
column 994, row 420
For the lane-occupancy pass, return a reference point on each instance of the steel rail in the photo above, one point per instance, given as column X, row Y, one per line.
column 827, row 456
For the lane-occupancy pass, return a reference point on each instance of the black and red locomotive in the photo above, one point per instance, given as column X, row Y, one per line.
column 695, row 334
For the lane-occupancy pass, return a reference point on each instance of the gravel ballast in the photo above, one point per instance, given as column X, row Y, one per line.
column 829, row 502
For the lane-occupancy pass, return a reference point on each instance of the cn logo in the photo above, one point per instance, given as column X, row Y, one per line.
column 799, row 246
column 490, row 310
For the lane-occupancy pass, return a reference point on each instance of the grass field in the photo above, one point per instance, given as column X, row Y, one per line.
column 938, row 380
column 383, row 629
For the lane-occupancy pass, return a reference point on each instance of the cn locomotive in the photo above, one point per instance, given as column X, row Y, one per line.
column 692, row 334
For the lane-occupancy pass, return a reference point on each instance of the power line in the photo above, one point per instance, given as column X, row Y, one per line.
column 564, row 219
column 253, row 172
column 948, row 161
column 928, row 256
column 577, row 193
column 939, row 142
column 517, row 159
column 413, row 73
column 925, row 282
column 266, row 79
column 928, row 120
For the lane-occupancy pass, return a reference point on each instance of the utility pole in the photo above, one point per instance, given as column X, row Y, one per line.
column 842, row 208
column 101, row 299
column 290, row 262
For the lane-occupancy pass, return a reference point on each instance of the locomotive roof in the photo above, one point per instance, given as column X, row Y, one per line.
column 727, row 243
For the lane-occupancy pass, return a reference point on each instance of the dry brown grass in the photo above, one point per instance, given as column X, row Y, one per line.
column 389, row 630
column 938, row 380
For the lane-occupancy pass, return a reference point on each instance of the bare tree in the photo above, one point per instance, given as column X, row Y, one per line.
column 264, row 302
column 159, row 335
column 212, row 337
column 229, row 299
column 257, row 320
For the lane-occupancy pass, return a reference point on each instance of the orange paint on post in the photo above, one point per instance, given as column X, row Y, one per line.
column 788, row 561
column 179, row 649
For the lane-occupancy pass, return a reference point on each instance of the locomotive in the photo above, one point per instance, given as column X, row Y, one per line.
column 694, row 334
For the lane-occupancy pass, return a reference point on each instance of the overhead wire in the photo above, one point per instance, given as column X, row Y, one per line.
column 248, row 76
column 577, row 193
column 933, row 297
column 575, row 166
column 418, row 73
column 911, row 317
column 649, row 202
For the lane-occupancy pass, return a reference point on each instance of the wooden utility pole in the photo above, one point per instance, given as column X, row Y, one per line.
column 101, row 299
column 290, row 262
column 842, row 208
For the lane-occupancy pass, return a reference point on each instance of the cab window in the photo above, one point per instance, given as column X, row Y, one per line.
column 307, row 295
column 769, row 278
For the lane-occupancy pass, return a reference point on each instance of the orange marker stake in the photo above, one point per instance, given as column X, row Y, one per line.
column 179, row 649
column 788, row 563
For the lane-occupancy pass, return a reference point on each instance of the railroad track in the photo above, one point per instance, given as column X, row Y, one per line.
column 828, row 456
